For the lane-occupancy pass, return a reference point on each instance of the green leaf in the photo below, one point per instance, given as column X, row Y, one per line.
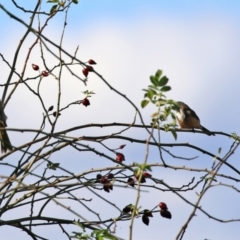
column 175, row 106
column 162, row 96
column 165, row 88
column 102, row 235
column 153, row 87
column 146, row 95
column 163, row 81
column 53, row 166
column 171, row 102
column 154, row 80
column 210, row 178
column 154, row 92
column 80, row 236
column 173, row 116
column 161, row 102
column 158, row 74
column 167, row 110
column 150, row 94
column 109, row 236
column 75, row 1
column 52, row 1
column 162, row 117
column 144, row 103
column 166, row 127
column 53, row 9
column 174, row 133
column 80, row 225
column 62, row 4
column 235, row 137
column 143, row 167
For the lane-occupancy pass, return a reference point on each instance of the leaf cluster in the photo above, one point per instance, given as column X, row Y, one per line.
column 155, row 94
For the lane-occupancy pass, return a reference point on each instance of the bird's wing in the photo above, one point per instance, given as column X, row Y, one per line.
column 190, row 113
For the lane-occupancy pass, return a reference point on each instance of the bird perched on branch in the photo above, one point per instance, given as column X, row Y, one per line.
column 5, row 141
column 187, row 118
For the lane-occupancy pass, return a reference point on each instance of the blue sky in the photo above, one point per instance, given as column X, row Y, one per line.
column 195, row 43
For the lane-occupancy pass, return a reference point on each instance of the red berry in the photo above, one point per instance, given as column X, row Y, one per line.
column 91, row 62
column 120, row 157
column 110, row 176
column 90, row 68
column 44, row 73
column 99, row 176
column 163, row 205
column 106, row 188
column 122, row 146
column 147, row 175
column 35, row 67
column 143, row 180
column 55, row 114
column 104, row 180
column 85, row 72
column 137, row 176
column 85, row 102
column 107, row 184
column 131, row 182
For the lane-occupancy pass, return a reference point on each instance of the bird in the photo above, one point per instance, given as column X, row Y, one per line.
column 5, row 141
column 188, row 119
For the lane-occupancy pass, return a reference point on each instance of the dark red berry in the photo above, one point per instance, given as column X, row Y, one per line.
column 92, row 62
column 55, row 114
column 44, row 73
column 147, row 175
column 107, row 185
column 99, row 176
column 165, row 214
column 120, row 157
column 106, row 188
column 35, row 67
column 122, row 146
column 110, row 176
column 104, row 180
column 85, row 72
column 90, row 68
column 143, row 180
column 85, row 102
column 163, row 205
column 131, row 182
column 137, row 176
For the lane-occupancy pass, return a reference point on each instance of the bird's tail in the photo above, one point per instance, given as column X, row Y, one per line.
column 207, row 131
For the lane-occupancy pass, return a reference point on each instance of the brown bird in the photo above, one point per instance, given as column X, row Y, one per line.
column 187, row 118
